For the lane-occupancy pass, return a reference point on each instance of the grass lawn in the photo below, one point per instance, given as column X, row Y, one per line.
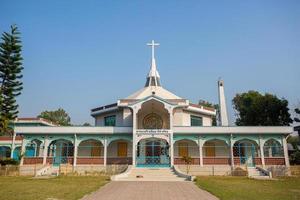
column 63, row 187
column 241, row 188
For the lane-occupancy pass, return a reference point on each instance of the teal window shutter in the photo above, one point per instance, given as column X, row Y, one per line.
column 110, row 120
column 196, row 121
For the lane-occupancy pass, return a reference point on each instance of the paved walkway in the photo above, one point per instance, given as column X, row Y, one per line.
column 136, row 190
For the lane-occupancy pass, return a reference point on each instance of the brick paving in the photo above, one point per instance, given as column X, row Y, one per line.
column 135, row 190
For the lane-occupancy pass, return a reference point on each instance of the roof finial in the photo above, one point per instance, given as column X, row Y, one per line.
column 153, row 44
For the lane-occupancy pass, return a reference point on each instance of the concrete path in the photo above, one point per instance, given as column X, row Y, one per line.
column 136, row 190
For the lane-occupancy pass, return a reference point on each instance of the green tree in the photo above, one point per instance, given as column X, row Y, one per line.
column 10, row 77
column 59, row 116
column 255, row 109
column 188, row 161
column 211, row 105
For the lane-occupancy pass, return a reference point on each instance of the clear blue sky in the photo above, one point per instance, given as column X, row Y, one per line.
column 83, row 54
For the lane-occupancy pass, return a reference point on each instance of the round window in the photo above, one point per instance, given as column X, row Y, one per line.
column 152, row 121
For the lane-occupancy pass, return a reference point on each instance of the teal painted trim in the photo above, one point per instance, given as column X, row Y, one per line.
column 81, row 138
column 111, row 139
column 178, row 137
column 224, row 138
column 69, row 138
column 277, row 138
column 254, row 138
column 153, row 166
column 29, row 138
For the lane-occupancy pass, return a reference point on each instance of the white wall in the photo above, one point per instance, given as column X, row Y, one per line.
column 112, row 150
column 123, row 117
column 183, row 118
column 193, row 148
column 221, row 148
column 180, row 117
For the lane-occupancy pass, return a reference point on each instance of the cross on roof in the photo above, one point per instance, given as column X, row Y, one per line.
column 153, row 44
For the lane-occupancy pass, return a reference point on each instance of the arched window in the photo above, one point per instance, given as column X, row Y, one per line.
column 272, row 148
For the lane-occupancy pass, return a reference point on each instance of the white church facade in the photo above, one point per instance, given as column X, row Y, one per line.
column 151, row 128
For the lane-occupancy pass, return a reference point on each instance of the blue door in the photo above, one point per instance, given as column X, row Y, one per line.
column 246, row 153
column 153, row 154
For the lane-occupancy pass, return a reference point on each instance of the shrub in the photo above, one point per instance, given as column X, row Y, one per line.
column 8, row 161
column 188, row 161
column 295, row 158
column 239, row 172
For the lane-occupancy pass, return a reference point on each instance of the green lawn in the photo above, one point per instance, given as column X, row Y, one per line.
column 241, row 188
column 64, row 187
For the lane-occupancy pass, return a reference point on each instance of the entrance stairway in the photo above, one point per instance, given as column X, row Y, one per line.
column 257, row 173
column 150, row 174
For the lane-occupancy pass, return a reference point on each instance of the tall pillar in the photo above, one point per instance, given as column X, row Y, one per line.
column 231, row 151
column 23, row 149
column 171, row 148
column 105, row 152
column 262, row 153
column 75, row 150
column 285, row 151
column 170, row 110
column 13, row 145
column 134, row 143
column 222, row 103
column 45, row 152
column 201, row 151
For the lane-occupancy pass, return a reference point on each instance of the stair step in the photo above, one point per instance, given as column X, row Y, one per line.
column 151, row 175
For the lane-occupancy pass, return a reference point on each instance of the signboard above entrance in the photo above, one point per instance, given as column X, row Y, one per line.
column 153, row 131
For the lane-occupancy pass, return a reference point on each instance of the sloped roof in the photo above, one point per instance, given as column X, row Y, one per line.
column 157, row 90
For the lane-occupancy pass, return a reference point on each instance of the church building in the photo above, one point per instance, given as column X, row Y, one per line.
column 151, row 128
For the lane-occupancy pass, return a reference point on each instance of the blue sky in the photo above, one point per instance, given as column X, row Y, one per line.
column 82, row 54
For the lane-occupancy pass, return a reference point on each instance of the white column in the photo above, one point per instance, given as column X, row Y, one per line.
column 23, row 149
column 171, row 149
column 13, row 145
column 201, row 151
column 285, row 151
column 105, row 152
column 262, row 153
column 45, row 152
column 231, row 151
column 171, row 137
column 134, row 127
column 75, row 150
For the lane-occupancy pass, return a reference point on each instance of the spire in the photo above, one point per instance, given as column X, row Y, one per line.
column 222, row 104
column 153, row 78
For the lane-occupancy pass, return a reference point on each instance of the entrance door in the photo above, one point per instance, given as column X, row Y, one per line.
column 61, row 152
column 247, row 154
column 122, row 149
column 153, row 154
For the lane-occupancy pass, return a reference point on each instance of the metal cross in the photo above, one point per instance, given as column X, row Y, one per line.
column 153, row 44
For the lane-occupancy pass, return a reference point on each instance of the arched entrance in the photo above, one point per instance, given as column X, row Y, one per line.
column 216, row 152
column 246, row 150
column 153, row 152
column 90, row 151
column 186, row 147
column 119, row 152
column 61, row 151
column 4, row 152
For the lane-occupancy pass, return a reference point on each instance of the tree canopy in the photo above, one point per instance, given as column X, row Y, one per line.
column 59, row 116
column 255, row 109
column 10, row 77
